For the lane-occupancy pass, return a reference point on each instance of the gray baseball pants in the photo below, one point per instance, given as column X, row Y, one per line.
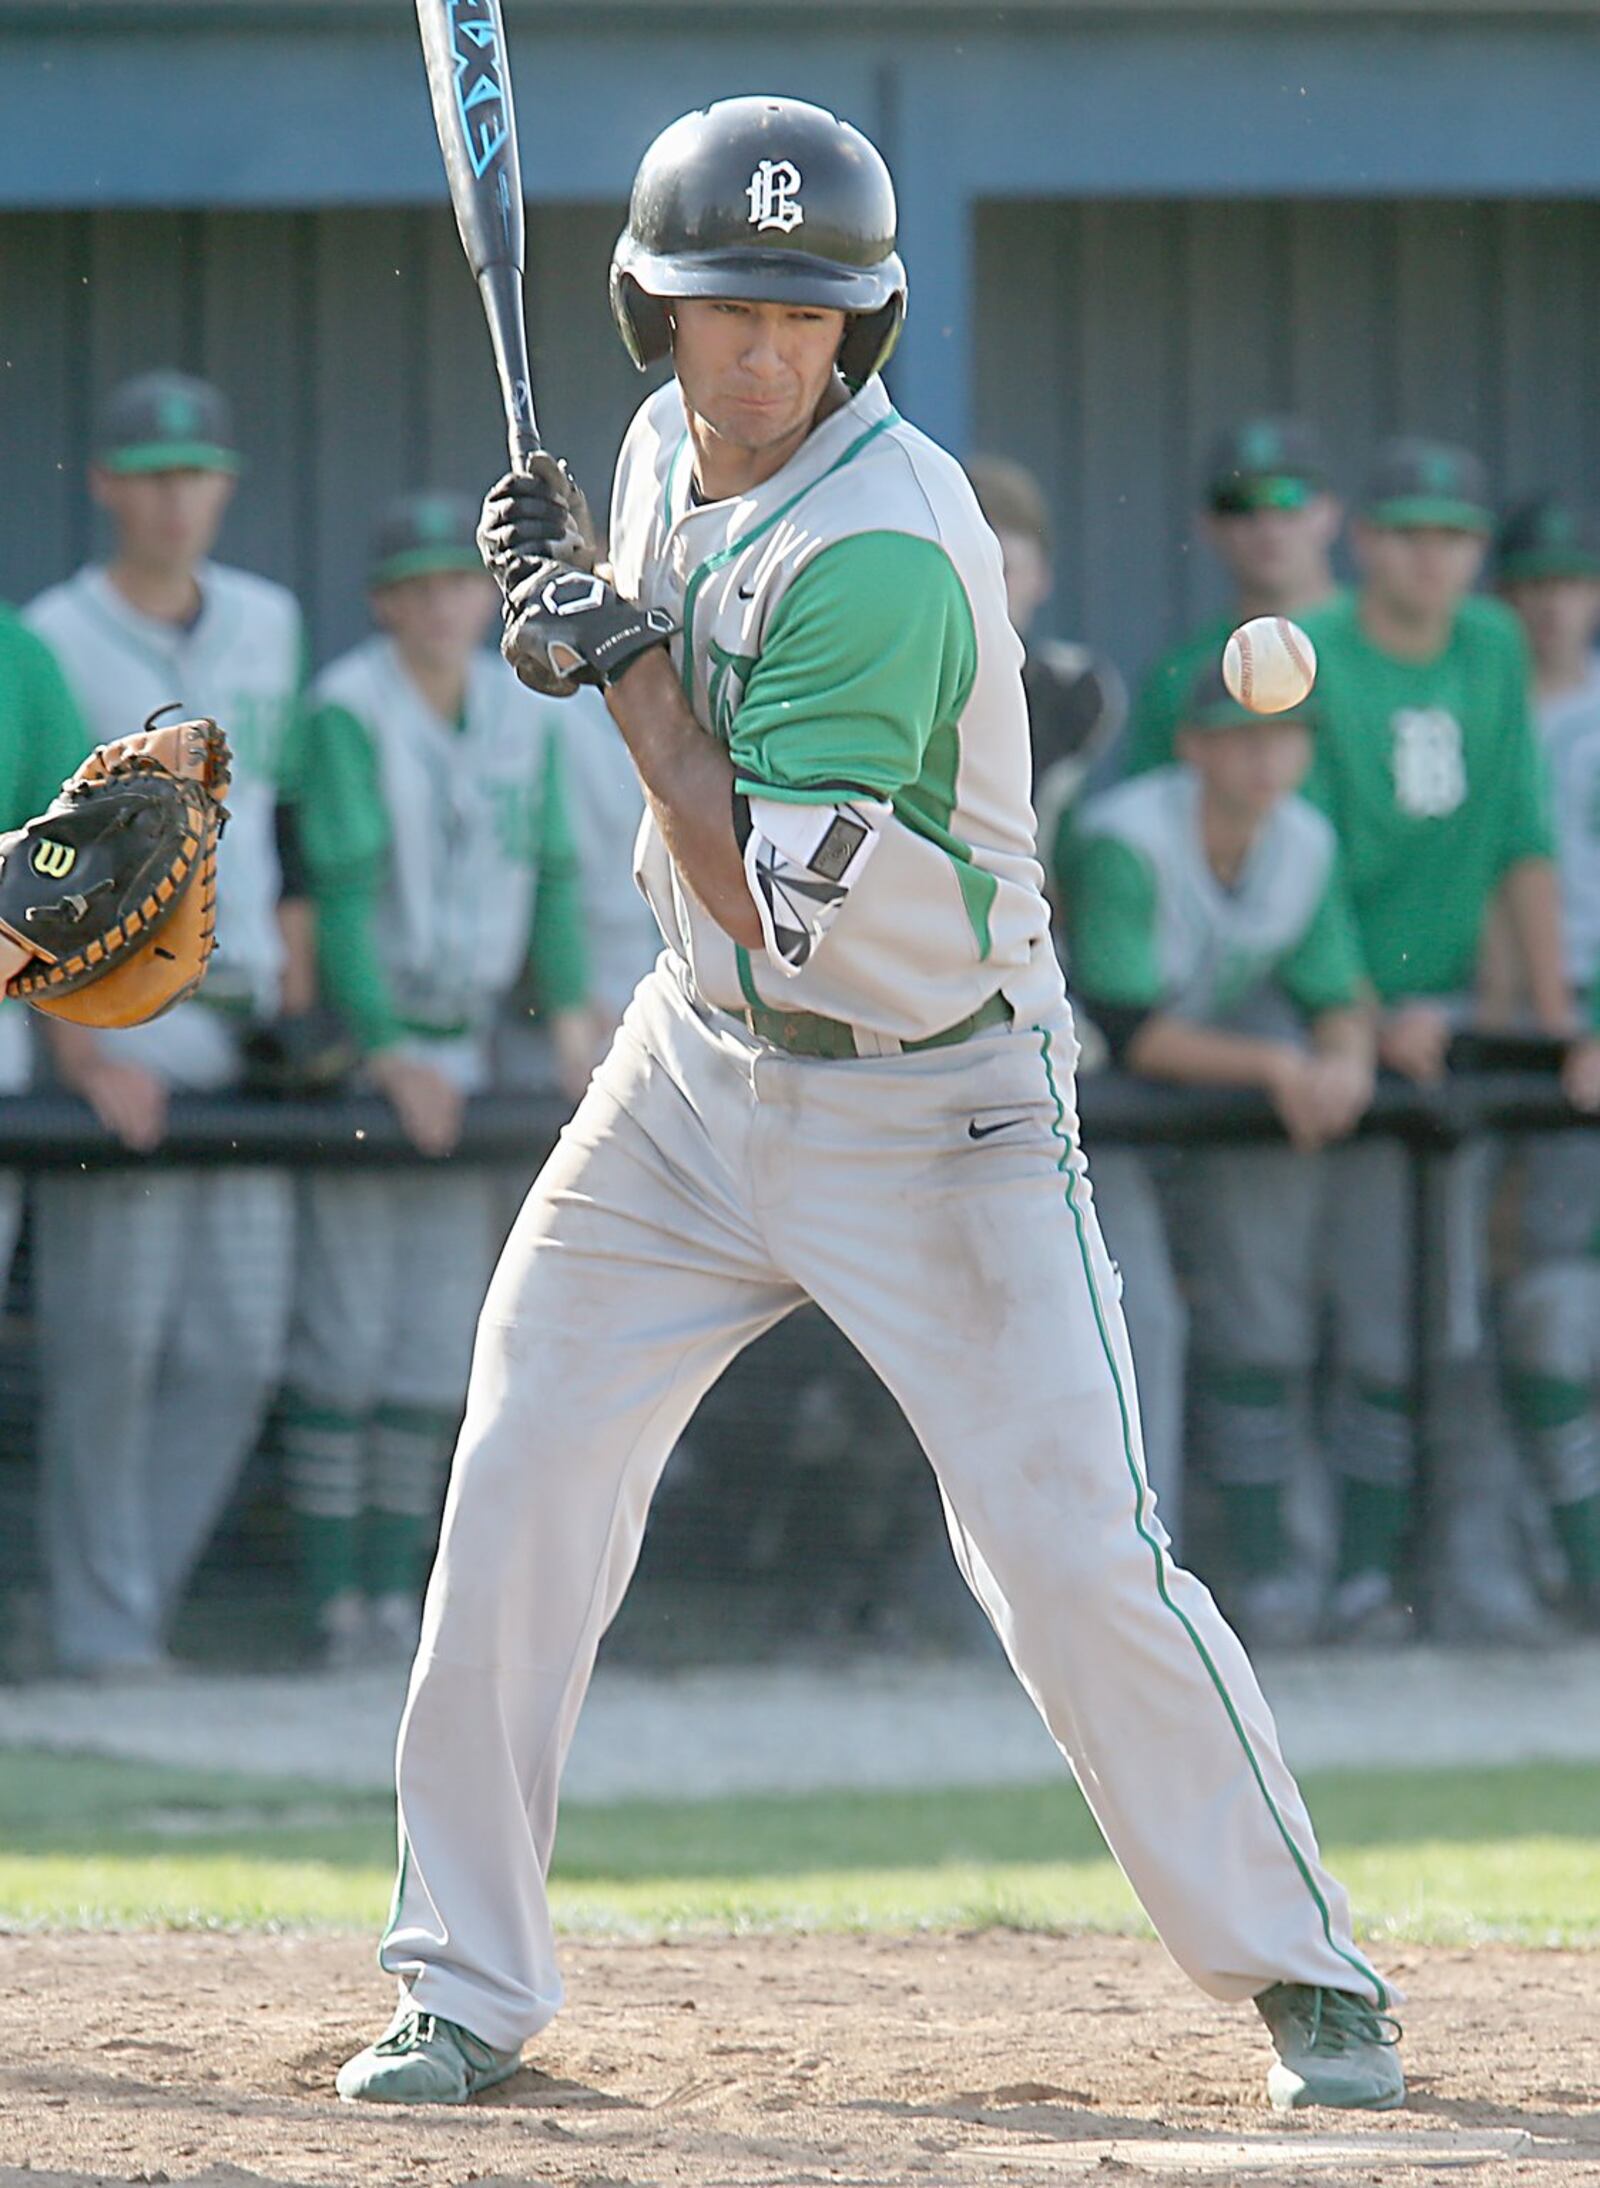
column 707, row 1184
column 163, row 1297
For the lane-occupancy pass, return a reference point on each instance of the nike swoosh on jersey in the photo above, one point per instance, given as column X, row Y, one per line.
column 976, row 1131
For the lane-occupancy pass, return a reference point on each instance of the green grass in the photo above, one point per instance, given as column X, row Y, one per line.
column 1448, row 1856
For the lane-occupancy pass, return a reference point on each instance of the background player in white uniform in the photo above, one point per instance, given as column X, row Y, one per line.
column 143, row 1441
column 1548, row 564
column 850, row 1078
column 1212, row 943
column 434, row 829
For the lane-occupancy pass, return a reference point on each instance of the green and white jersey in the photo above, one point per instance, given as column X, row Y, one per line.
column 438, row 853
column 241, row 663
column 1153, row 929
column 843, row 632
column 1569, row 726
column 1431, row 773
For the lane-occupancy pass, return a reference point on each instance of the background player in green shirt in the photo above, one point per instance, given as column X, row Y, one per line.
column 1429, row 768
column 1271, row 520
column 1213, row 944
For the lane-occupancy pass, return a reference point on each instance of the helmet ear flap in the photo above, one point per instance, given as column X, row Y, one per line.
column 641, row 319
column 869, row 340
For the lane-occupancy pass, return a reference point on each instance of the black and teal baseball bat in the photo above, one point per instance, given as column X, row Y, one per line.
column 469, row 82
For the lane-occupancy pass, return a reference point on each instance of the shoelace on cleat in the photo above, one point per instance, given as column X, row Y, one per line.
column 411, row 2034
column 1337, row 2018
column 419, row 2029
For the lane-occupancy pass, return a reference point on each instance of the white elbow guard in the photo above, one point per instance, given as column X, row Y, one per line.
column 802, row 861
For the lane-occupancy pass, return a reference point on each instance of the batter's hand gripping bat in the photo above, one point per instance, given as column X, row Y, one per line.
column 469, row 82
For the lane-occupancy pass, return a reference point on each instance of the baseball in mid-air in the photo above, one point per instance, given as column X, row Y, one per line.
column 1269, row 664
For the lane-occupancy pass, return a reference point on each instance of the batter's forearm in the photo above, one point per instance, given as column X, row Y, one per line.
column 688, row 779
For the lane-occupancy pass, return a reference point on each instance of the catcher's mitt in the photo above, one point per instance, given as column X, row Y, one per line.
column 108, row 901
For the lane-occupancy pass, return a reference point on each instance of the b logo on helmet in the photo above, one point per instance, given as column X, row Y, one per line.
column 54, row 859
column 774, row 196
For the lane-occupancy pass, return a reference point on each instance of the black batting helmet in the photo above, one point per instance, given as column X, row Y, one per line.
column 770, row 200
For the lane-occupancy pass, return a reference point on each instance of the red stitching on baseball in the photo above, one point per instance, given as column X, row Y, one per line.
column 1290, row 633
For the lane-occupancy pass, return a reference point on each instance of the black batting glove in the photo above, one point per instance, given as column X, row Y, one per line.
column 536, row 515
column 567, row 627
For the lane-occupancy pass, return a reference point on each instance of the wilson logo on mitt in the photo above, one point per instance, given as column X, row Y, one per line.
column 54, row 859
column 108, row 901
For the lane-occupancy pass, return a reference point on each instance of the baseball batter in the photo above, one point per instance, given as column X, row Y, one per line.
column 143, row 1442
column 435, row 835
column 849, row 1079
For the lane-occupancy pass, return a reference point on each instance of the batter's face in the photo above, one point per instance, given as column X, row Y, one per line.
column 754, row 377
column 1277, row 554
column 164, row 520
column 438, row 620
column 1249, row 769
column 1419, row 573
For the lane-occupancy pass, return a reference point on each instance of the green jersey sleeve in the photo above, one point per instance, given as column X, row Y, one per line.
column 1111, row 922
column 870, row 652
column 43, row 730
column 1324, row 970
column 344, row 836
column 558, row 951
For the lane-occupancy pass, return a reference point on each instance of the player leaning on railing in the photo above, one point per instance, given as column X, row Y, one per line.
column 1212, row 943
column 143, row 1438
column 1548, row 566
column 440, row 862
column 1429, row 769
column 849, row 1079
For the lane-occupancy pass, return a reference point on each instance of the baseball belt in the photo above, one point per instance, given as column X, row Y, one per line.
column 806, row 1033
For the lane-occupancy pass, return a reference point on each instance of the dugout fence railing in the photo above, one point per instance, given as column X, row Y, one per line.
column 1506, row 1088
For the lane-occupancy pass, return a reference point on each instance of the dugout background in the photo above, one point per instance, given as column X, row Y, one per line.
column 1108, row 342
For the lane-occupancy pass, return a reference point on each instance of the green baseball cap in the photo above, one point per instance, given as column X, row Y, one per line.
column 166, row 421
column 421, row 534
column 1265, row 463
column 1546, row 537
column 1427, row 483
column 1211, row 705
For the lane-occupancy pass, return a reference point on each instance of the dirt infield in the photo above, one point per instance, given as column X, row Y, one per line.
column 924, row 2060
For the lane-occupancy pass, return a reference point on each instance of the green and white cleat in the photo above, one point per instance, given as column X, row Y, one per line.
column 421, row 2059
column 1333, row 2048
